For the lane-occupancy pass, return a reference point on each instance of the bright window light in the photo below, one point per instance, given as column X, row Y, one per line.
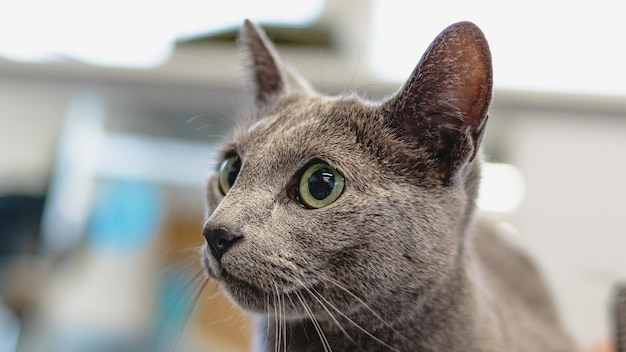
column 501, row 188
column 124, row 33
column 559, row 45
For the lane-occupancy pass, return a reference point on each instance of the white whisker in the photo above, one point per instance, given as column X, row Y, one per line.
column 355, row 323
column 360, row 301
column 314, row 295
column 267, row 325
column 316, row 324
column 276, row 332
column 284, row 325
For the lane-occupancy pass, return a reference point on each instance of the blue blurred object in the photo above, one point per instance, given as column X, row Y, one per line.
column 126, row 215
column 9, row 329
column 172, row 301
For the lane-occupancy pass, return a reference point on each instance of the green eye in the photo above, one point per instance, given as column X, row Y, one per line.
column 229, row 169
column 319, row 186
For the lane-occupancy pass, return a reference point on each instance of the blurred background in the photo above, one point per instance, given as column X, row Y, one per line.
column 110, row 111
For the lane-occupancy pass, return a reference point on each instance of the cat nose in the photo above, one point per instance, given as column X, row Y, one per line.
column 219, row 240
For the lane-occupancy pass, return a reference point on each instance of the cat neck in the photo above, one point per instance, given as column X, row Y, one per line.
column 444, row 321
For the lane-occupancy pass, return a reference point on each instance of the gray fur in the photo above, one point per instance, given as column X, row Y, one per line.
column 397, row 262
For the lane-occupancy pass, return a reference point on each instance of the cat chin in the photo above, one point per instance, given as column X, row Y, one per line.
column 264, row 302
column 248, row 297
column 257, row 302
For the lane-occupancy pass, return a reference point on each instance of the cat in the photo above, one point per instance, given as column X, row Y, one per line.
column 348, row 225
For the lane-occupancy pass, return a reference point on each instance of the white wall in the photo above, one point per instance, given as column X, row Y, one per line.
column 573, row 216
column 30, row 120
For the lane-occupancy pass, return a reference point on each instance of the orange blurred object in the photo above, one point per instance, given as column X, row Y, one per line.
column 604, row 346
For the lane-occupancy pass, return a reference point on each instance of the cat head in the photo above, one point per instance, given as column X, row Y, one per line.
column 321, row 196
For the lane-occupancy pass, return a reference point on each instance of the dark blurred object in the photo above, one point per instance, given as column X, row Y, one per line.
column 20, row 229
column 20, row 222
column 317, row 36
column 20, row 234
column 619, row 311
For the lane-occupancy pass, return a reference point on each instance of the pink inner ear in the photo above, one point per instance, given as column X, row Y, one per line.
column 453, row 80
column 478, row 83
column 460, row 65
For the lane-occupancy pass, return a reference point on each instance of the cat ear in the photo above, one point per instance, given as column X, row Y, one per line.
column 270, row 76
column 443, row 105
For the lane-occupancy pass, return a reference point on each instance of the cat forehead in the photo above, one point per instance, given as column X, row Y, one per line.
column 285, row 120
column 305, row 125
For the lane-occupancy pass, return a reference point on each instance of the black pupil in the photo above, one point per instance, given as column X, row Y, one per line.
column 321, row 183
column 234, row 171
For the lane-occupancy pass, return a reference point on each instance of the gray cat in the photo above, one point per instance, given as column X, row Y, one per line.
column 348, row 225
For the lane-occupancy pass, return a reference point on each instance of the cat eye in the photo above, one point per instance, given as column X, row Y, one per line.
column 229, row 169
column 319, row 186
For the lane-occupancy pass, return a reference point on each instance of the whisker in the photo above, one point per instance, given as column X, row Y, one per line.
column 360, row 301
column 316, row 324
column 322, row 71
column 356, row 69
column 321, row 95
column 215, row 118
column 176, row 270
column 186, row 250
column 340, row 286
column 284, row 325
column 280, row 319
column 306, row 335
column 276, row 317
column 181, row 267
column 188, row 312
column 180, row 292
column 355, row 323
column 267, row 325
column 313, row 293
column 194, row 118
column 167, row 319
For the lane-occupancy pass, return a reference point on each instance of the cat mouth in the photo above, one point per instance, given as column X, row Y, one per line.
column 218, row 272
column 214, row 269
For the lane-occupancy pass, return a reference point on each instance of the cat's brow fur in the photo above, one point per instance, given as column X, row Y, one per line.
column 398, row 262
